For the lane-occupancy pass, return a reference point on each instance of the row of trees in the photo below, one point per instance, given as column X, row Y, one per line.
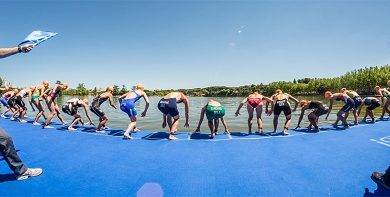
column 362, row 80
column 82, row 90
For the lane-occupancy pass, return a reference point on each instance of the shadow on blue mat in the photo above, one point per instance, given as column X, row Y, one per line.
column 380, row 191
column 305, row 130
column 156, row 136
column 7, row 177
column 115, row 132
column 239, row 134
column 200, row 136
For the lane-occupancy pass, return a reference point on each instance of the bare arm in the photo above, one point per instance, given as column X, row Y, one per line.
column 5, row 52
column 382, row 98
column 29, row 100
column 201, row 118
column 225, row 125
column 187, row 111
column 301, row 116
column 146, row 105
column 295, row 100
column 87, row 113
column 240, row 106
column 360, row 108
column 268, row 100
column 330, row 108
column 164, row 124
column 110, row 101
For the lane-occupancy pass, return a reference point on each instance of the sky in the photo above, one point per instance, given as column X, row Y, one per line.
column 189, row 44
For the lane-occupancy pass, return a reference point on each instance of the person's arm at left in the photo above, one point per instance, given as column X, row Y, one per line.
column 29, row 100
column 111, row 102
column 146, row 105
column 360, row 109
column 187, row 111
column 303, row 109
column 296, row 102
column 225, row 125
column 330, row 108
column 200, row 119
column 5, row 52
column 268, row 101
column 87, row 113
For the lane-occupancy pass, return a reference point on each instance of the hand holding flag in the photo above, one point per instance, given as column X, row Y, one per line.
column 36, row 37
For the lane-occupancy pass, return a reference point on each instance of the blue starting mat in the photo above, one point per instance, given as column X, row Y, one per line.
column 332, row 162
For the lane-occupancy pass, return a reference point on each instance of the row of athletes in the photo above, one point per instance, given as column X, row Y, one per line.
column 214, row 111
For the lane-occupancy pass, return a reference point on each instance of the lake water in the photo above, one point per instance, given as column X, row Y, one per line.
column 153, row 119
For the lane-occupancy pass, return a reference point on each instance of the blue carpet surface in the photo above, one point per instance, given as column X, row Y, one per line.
column 333, row 162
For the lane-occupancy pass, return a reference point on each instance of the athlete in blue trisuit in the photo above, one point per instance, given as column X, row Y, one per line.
column 127, row 105
column 95, row 107
column 168, row 106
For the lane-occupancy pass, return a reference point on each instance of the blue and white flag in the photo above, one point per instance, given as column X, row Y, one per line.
column 37, row 37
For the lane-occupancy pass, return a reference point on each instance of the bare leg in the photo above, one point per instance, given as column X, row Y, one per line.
column 365, row 115
column 371, row 114
column 343, row 119
column 51, row 106
column 16, row 110
column 133, row 122
column 40, row 113
column 174, row 127
column 250, row 117
column 276, row 118
column 216, row 125
column 75, row 121
column 259, row 111
column 59, row 114
column 102, row 122
column 6, row 111
column 355, row 116
column 313, row 121
column 169, row 121
column 287, row 124
column 211, row 127
column 225, row 125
